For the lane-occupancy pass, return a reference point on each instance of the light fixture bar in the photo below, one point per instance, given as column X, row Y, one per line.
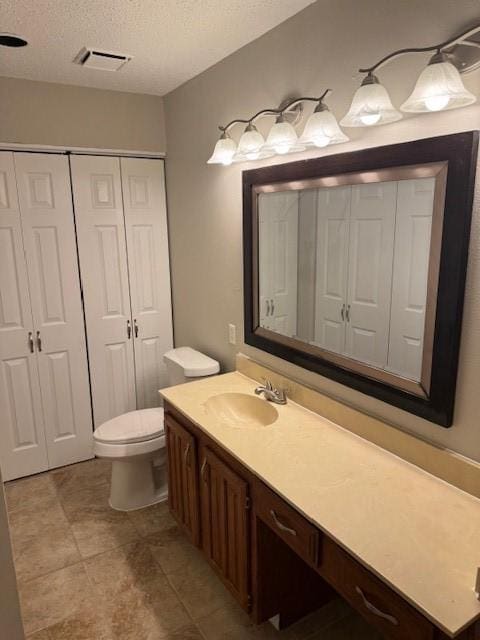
column 460, row 38
column 275, row 112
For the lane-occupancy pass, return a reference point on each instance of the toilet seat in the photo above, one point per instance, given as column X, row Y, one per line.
column 132, row 427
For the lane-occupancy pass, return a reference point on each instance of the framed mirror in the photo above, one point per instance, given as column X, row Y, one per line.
column 355, row 264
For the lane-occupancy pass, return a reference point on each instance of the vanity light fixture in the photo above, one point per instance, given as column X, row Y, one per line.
column 439, row 88
column 321, row 129
column 250, row 145
column 371, row 105
column 224, row 150
column 283, row 138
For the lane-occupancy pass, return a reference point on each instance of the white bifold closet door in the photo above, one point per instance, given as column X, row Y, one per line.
column 370, row 262
column 120, row 213
column 333, row 214
column 44, row 391
column 410, row 276
column 144, row 201
column 278, row 235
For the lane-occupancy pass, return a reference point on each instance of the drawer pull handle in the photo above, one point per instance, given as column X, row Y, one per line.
column 280, row 525
column 185, row 454
column 202, row 470
column 373, row 609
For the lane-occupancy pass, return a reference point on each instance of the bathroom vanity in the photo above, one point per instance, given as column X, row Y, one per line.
column 289, row 509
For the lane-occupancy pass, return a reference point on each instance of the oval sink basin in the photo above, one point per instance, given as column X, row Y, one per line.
column 241, row 410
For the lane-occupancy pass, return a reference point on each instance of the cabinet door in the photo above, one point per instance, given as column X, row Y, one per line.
column 372, row 227
column 224, row 515
column 183, row 478
column 103, row 266
column 143, row 184
column 45, row 200
column 23, row 448
column 333, row 213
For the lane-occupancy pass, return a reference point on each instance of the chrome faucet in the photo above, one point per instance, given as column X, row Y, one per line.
column 278, row 396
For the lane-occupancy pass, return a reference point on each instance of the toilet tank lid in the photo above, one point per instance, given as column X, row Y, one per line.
column 193, row 363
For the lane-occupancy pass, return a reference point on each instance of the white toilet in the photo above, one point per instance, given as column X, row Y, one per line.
column 135, row 441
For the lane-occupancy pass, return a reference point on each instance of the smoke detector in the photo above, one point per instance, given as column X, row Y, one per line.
column 101, row 60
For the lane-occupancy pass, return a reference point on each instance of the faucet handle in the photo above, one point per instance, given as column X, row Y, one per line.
column 268, row 384
column 282, row 395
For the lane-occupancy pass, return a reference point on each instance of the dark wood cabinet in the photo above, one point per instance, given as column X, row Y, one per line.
column 225, row 504
column 183, row 495
column 274, row 561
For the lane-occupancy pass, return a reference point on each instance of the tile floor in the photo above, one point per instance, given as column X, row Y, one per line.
column 87, row 572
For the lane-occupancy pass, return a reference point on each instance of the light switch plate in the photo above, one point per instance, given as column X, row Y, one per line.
column 232, row 334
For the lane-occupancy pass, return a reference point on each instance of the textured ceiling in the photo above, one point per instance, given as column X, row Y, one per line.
column 171, row 41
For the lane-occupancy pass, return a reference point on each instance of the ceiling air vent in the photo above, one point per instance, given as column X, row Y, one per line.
column 103, row 60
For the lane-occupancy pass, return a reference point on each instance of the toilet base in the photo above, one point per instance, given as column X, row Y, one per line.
column 137, row 484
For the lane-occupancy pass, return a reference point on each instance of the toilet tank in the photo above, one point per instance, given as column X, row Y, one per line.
column 184, row 364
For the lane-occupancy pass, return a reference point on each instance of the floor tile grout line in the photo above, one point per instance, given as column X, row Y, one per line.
column 22, row 583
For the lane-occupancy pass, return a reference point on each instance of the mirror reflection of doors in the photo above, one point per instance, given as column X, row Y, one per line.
column 345, row 268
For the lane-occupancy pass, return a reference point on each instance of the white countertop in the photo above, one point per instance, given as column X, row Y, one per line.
column 416, row 532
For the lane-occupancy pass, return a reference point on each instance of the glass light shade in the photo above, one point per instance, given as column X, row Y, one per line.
column 322, row 129
column 439, row 87
column 250, row 144
column 282, row 137
column 371, row 105
column 224, row 151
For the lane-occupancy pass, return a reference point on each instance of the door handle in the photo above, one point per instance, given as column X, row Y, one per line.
column 129, row 329
column 39, row 341
column 272, row 303
column 342, row 312
column 268, row 307
column 347, row 313
column 31, row 345
column 280, row 525
column 373, row 609
column 135, row 327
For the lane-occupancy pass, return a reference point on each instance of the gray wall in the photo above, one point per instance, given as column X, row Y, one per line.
column 11, row 627
column 63, row 115
column 321, row 47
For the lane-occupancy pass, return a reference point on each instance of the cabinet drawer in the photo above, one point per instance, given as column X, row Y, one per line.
column 376, row 602
column 287, row 523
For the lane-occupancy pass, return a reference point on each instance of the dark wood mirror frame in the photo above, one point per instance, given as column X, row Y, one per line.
column 459, row 152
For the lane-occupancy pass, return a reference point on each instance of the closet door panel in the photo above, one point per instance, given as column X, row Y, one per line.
column 265, row 254
column 410, row 275
column 143, row 185
column 333, row 212
column 285, row 264
column 372, row 226
column 104, row 272
column 278, row 236
column 23, row 448
column 49, row 236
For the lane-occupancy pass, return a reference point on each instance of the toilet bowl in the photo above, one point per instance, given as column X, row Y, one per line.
column 135, row 441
